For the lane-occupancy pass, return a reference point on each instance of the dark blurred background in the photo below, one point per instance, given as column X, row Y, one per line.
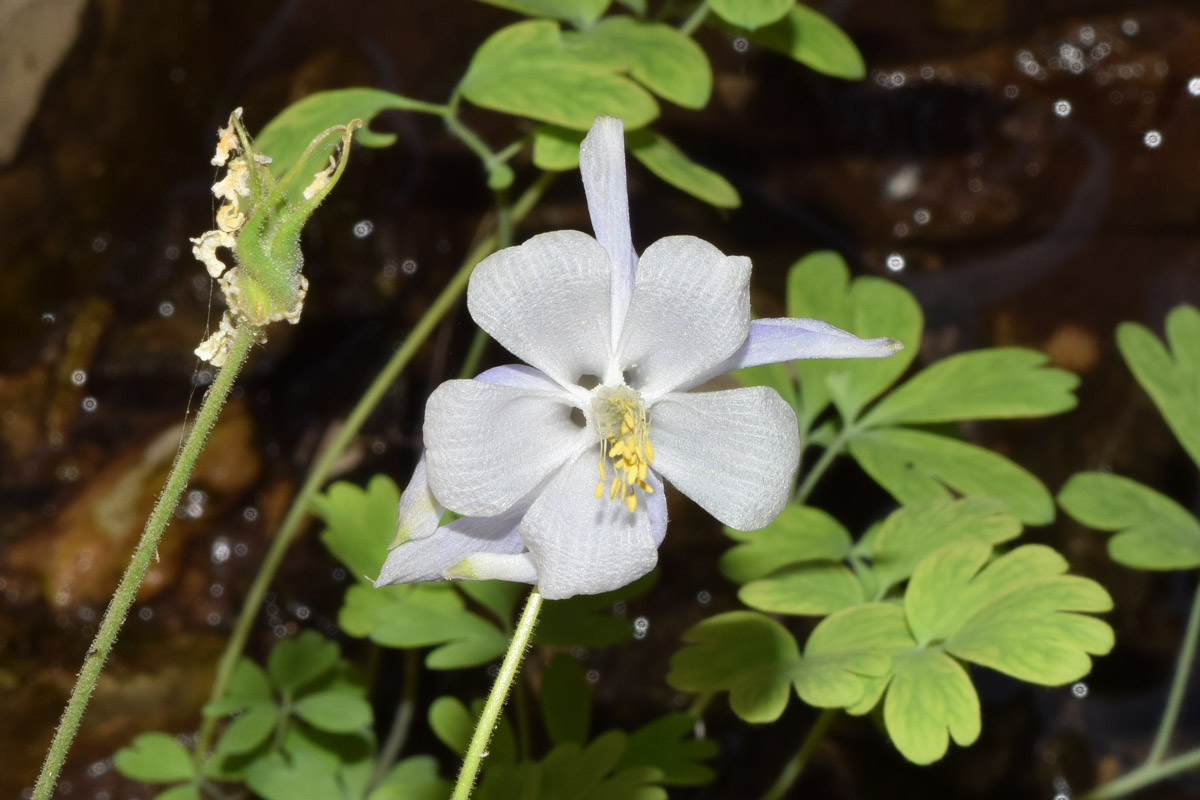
column 1027, row 167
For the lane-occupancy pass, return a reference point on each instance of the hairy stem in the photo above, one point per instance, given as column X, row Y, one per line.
column 298, row 512
column 1183, row 670
column 495, row 701
column 794, row 767
column 1144, row 776
column 126, row 592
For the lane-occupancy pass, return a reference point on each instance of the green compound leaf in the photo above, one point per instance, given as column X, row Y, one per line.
column 422, row 615
column 530, row 70
column 915, row 465
column 1000, row 383
column 667, row 162
column 814, row 589
column 1172, row 379
column 660, row 58
column 669, row 745
column 848, row 655
column 812, row 39
column 498, row 597
column 286, row 137
column 248, row 731
column 452, row 723
column 414, row 778
column 299, row 661
column 248, row 686
column 566, row 701
column 750, row 14
column 155, row 758
column 913, row 532
column 580, row 13
column 184, row 791
column 798, row 534
column 1019, row 615
column 1153, row 531
column 819, row 287
column 744, row 653
column 571, row 770
column 306, row 776
column 556, row 149
column 335, row 711
column 930, row 700
column 359, row 523
column 589, row 620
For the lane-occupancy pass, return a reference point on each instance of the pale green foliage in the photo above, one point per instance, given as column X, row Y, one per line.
column 666, row 161
column 750, row 14
column 812, row 39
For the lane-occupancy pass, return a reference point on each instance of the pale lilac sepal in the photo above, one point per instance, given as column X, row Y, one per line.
column 428, row 558
column 602, row 165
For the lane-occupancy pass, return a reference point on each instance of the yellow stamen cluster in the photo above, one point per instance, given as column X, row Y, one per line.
column 625, row 438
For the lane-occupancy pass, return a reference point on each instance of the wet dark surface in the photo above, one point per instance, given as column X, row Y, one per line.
column 1019, row 220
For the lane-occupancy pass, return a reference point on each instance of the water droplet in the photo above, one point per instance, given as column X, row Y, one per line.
column 166, row 308
column 98, row 768
column 741, row 44
column 86, row 614
column 1061, row 785
column 79, row 377
column 48, row 318
column 216, row 590
column 1152, row 139
column 1130, row 27
column 302, row 612
column 703, row 597
column 178, row 74
column 922, row 216
column 213, row 618
column 1079, row 689
column 240, row 549
column 100, row 244
column 927, row 73
column 220, row 550
column 593, row 676
column 1193, row 87
column 1011, row 91
column 171, row 252
column 89, row 404
column 250, row 513
column 338, row 574
column 641, row 626
column 1087, row 35
column 378, row 447
column 895, row 262
column 409, row 266
column 1062, row 108
column 390, row 268
column 363, row 228
column 145, row 613
column 900, row 229
column 896, row 80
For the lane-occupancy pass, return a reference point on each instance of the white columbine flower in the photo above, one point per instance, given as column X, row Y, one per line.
column 557, row 468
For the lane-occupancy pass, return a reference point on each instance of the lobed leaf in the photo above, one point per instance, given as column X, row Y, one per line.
column 590, row 620
column 335, row 711
column 813, row 589
column 1171, row 378
column 929, row 701
column 669, row 745
column 155, row 758
column 359, row 523
column 414, row 778
column 1153, row 531
column 667, row 162
column 556, row 149
column 249, row 730
column 848, row 656
column 566, row 701
column 798, row 534
column 275, row 777
column 580, row 13
column 296, row 662
column 248, row 686
column 662, row 59
column 813, row 39
column 750, row 14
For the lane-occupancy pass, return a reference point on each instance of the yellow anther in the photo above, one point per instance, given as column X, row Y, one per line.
column 616, row 484
column 620, row 419
column 631, row 502
column 599, row 490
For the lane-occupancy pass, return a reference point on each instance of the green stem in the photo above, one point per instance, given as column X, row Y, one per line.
column 495, row 700
column 700, row 705
column 794, row 767
column 147, row 546
column 401, row 724
column 818, row 469
column 694, row 19
column 1183, row 670
column 298, row 512
column 1144, row 776
column 470, row 364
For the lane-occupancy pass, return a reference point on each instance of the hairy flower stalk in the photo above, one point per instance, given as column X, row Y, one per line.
column 557, row 469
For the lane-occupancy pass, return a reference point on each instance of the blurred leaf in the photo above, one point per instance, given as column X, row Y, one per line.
column 185, row 791
column 741, row 652
column 287, row 136
column 155, row 758
column 798, row 534
column 661, row 58
column 422, row 615
column 750, row 14
column 274, row 777
column 498, row 597
column 452, row 723
column 814, row 589
column 248, row 686
column 580, row 13
column 819, row 287
column 556, row 149
column 930, row 699
column 1154, row 532
column 573, row 770
column 1000, row 383
column 296, row 662
column 566, row 701
column 1172, row 379
column 914, row 465
column 527, row 69
column 337, row 711
column 813, row 39
column 912, row 532
column 414, row 778
column 669, row 744
column 359, row 523
column 1018, row 615
column 777, row 376
column 589, row 620
column 667, row 162
column 849, row 654
column 248, row 731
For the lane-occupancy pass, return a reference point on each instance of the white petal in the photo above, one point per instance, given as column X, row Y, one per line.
column 582, row 545
column 690, row 311
column 656, row 507
column 427, row 559
column 547, row 302
column 419, row 512
column 735, row 453
column 519, row 376
column 602, row 165
column 487, row 446
column 787, row 339
column 517, row 568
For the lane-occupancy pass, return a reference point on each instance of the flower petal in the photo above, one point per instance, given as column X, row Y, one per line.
column 735, row 452
column 428, row 559
column 690, row 310
column 419, row 512
column 602, row 165
column 582, row 545
column 656, row 507
column 487, row 446
column 517, row 568
column 519, row 376
column 547, row 302
column 787, row 339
